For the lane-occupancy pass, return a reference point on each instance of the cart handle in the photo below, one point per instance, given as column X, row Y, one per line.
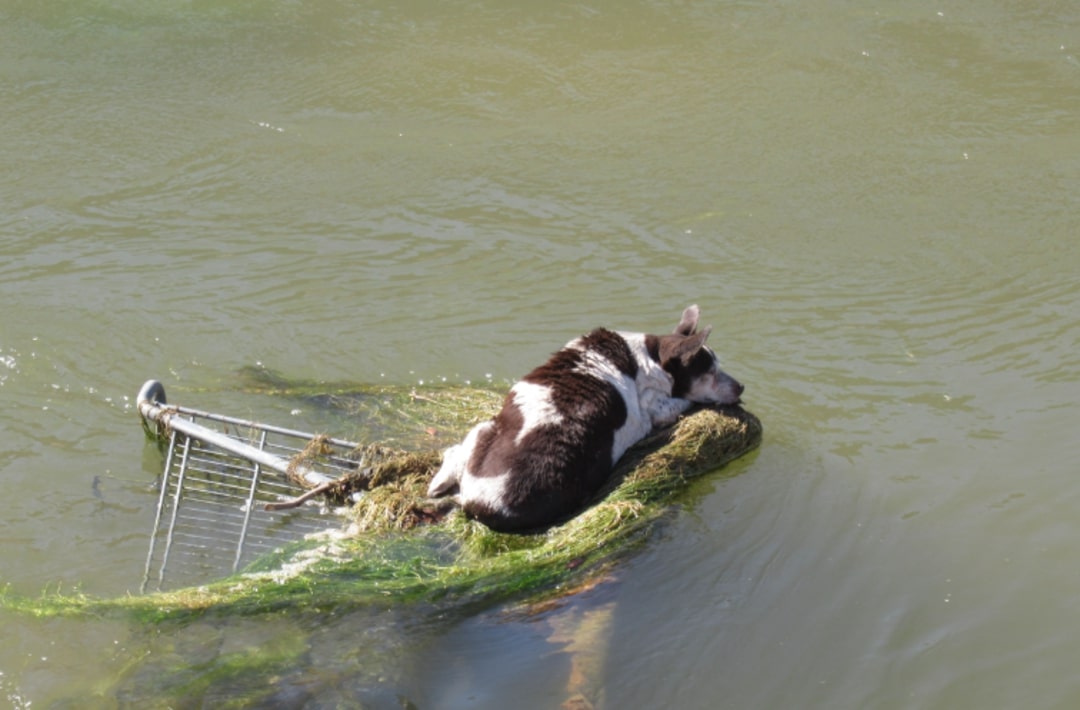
column 153, row 407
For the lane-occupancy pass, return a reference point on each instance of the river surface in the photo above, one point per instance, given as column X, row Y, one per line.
column 876, row 205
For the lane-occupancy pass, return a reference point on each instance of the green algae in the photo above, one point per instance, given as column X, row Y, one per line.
column 398, row 550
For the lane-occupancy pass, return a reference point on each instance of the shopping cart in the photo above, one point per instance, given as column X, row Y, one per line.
column 232, row 490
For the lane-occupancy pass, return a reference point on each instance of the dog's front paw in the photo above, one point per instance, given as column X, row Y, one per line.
column 667, row 411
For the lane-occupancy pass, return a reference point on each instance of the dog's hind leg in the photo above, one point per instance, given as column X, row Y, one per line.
column 455, row 461
column 446, row 480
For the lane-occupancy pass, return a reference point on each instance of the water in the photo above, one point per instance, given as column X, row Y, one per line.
column 874, row 206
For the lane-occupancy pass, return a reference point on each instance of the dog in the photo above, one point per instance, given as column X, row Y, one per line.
column 564, row 425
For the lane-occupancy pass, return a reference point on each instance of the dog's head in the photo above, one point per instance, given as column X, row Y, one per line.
column 693, row 366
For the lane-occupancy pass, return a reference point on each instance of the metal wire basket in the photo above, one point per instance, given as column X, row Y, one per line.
column 219, row 474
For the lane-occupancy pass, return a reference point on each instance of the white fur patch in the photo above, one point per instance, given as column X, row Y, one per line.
column 487, row 491
column 537, row 409
column 650, row 376
column 634, row 430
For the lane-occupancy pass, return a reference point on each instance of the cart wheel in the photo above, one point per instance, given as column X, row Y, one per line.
column 152, row 391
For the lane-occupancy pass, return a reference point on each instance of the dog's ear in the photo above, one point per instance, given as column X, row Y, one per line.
column 683, row 349
column 695, row 342
column 688, row 324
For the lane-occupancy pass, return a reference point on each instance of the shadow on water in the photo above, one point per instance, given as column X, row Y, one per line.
column 404, row 657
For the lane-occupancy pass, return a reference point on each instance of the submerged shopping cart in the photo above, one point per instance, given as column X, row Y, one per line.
column 232, row 490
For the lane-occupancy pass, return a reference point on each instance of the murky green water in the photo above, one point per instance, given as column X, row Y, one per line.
column 875, row 205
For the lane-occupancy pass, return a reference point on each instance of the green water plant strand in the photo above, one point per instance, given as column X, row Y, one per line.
column 396, row 549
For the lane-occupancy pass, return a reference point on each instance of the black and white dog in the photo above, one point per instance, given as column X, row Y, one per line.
column 565, row 424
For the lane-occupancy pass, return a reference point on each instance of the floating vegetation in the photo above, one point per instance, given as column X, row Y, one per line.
column 398, row 547
column 419, row 417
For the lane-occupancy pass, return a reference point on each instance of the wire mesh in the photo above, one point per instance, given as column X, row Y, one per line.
column 219, row 473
